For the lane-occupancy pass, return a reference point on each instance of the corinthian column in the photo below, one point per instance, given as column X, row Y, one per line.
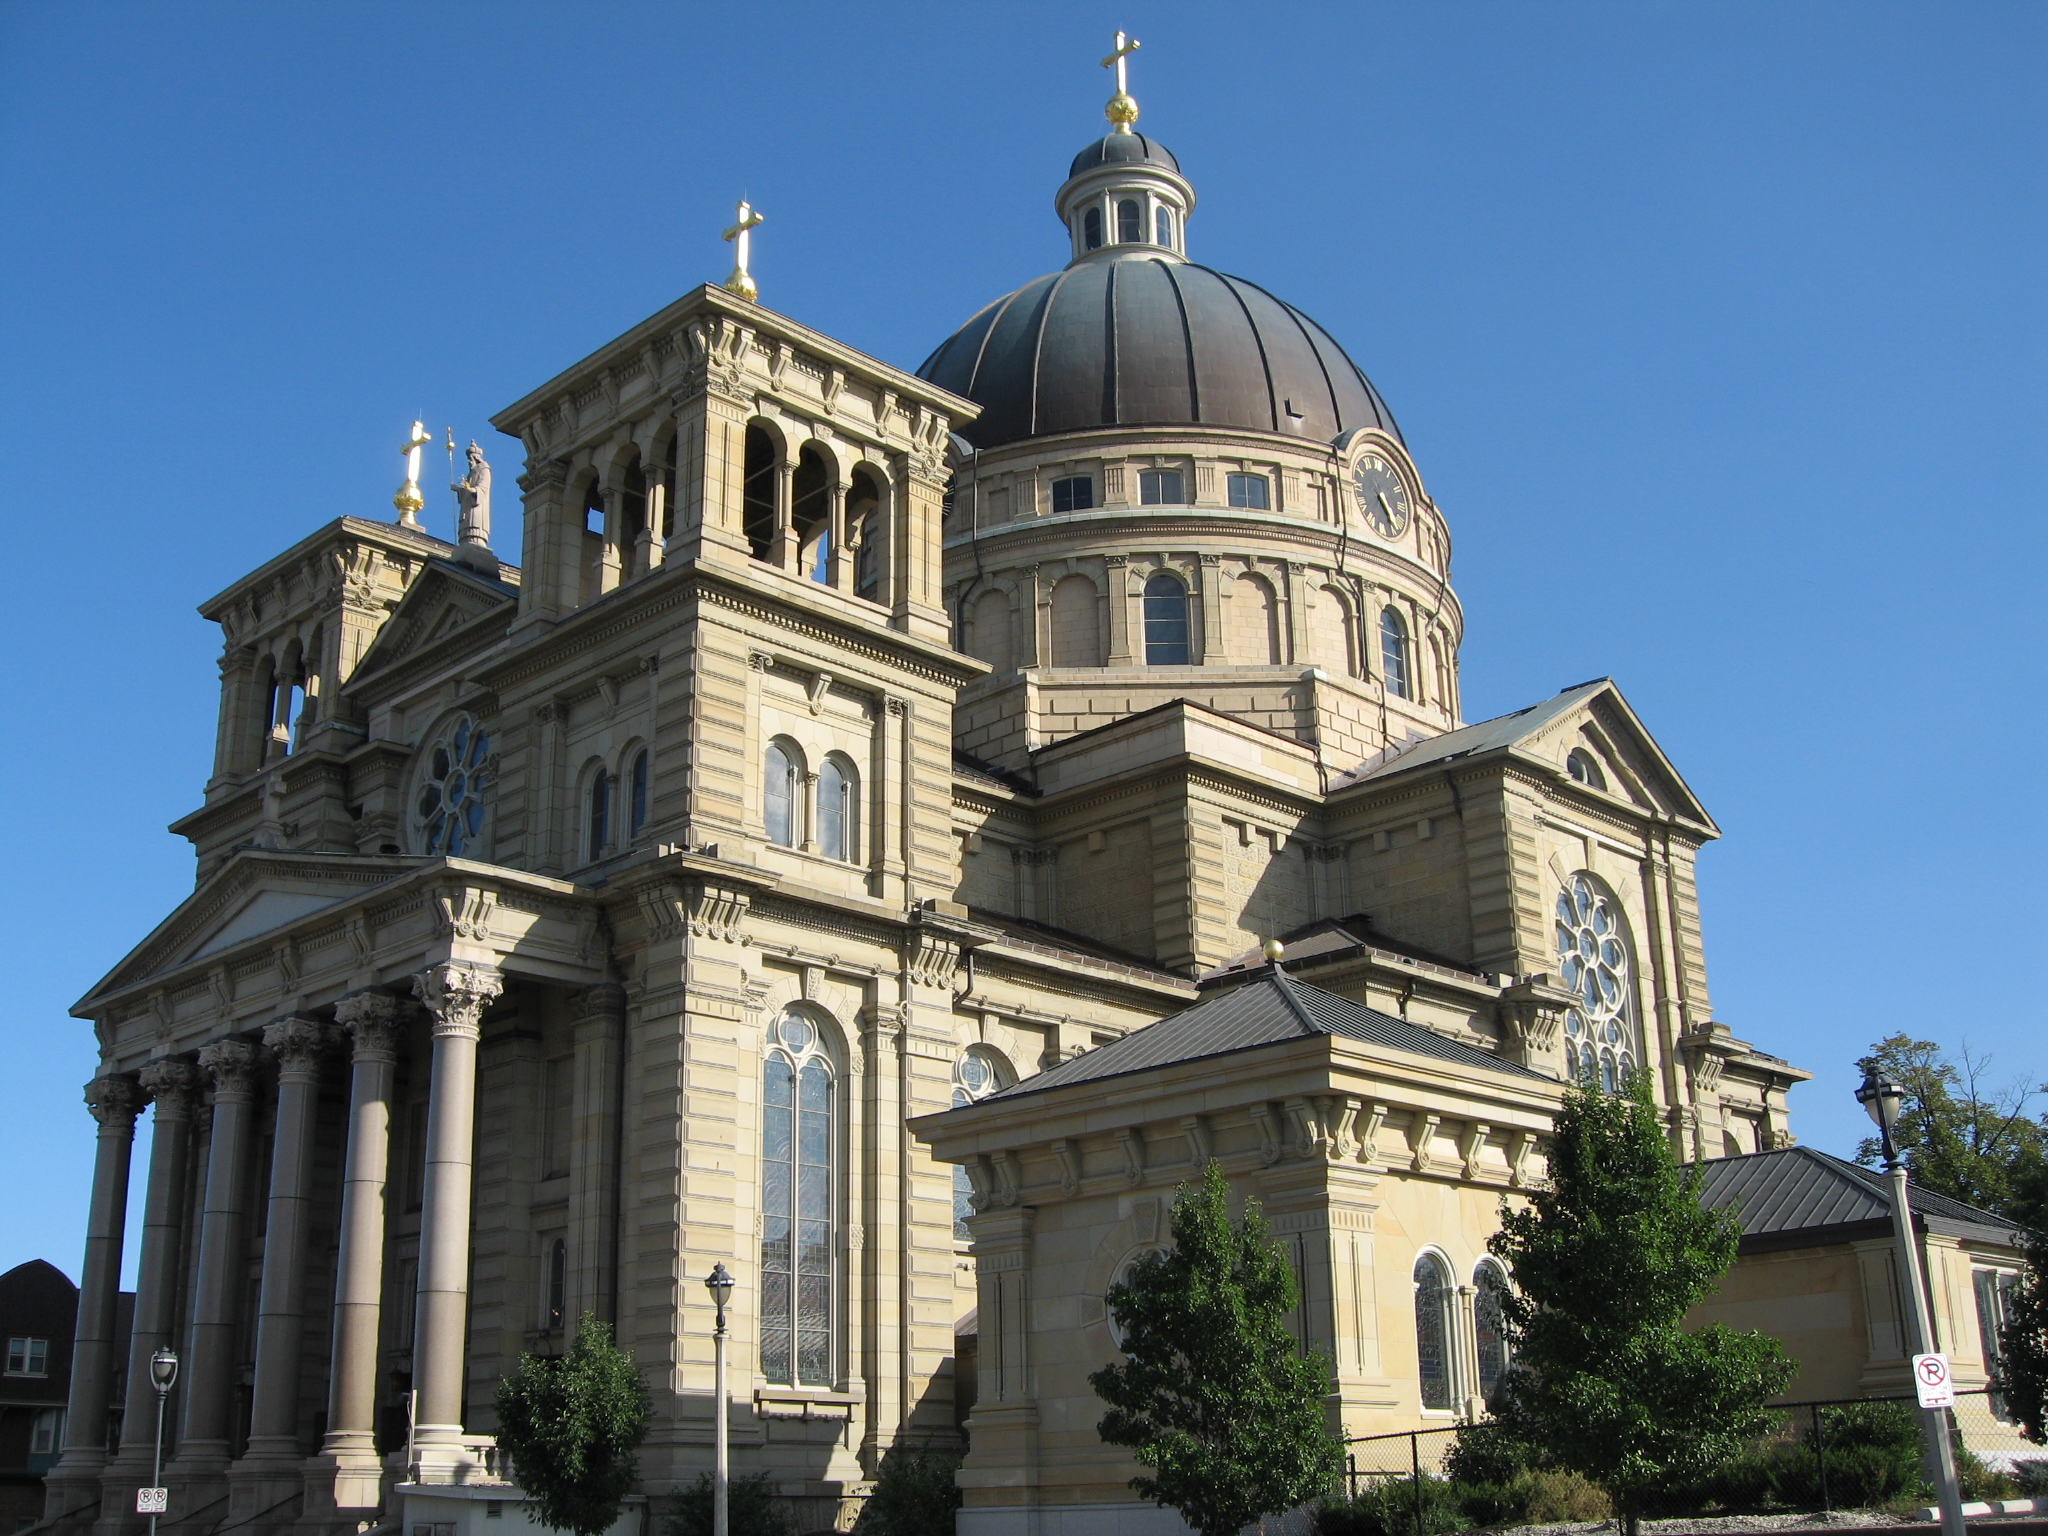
column 371, row 1019
column 456, row 994
column 114, row 1099
column 298, row 1044
column 211, row 1364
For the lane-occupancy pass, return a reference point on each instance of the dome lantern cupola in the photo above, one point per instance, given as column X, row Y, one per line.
column 1124, row 195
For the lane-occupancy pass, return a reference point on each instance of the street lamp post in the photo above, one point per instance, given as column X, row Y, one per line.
column 163, row 1371
column 1883, row 1098
column 720, row 1284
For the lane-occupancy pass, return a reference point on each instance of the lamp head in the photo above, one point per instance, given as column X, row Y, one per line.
column 163, row 1368
column 719, row 1283
column 1882, row 1097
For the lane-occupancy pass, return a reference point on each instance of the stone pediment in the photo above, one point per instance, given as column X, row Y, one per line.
column 446, row 601
column 253, row 893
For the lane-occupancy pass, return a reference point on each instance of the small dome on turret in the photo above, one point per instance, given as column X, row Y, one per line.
column 1123, row 149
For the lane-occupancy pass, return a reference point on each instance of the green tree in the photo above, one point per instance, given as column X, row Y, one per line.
column 1957, row 1134
column 915, row 1494
column 2023, row 1337
column 1606, row 1260
column 752, row 1508
column 1213, row 1394
column 572, row 1426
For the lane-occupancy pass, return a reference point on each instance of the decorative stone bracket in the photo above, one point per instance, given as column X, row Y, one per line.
column 1531, row 1017
column 1708, row 1047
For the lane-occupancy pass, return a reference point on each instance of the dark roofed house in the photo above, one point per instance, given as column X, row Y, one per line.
column 38, row 1311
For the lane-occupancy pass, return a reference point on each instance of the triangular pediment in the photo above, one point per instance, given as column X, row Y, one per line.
column 256, row 892
column 446, row 601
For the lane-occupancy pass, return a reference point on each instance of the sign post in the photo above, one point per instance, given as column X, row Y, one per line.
column 152, row 1501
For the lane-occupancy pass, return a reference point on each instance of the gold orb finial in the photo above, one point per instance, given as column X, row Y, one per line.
column 1122, row 110
column 1275, row 951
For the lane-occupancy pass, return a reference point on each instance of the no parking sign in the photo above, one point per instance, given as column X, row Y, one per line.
column 1930, row 1380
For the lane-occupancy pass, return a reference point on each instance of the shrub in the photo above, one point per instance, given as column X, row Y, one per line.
column 1558, row 1497
column 1486, row 1453
column 1978, row 1481
column 1387, row 1508
column 914, row 1493
column 752, row 1508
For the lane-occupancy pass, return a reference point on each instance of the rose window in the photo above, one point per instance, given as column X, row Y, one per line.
column 455, row 787
column 1599, row 1031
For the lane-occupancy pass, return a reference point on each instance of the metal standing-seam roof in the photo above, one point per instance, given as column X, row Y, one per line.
column 1797, row 1196
column 1273, row 1008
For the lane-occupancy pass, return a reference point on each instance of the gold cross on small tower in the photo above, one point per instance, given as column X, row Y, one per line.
column 742, row 282
column 1122, row 110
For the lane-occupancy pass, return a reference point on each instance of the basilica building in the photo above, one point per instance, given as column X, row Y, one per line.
column 844, row 848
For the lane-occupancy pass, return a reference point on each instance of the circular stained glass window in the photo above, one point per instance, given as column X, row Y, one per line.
column 454, row 794
column 1592, row 951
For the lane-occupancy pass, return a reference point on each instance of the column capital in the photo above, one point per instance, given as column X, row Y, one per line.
column 371, row 1020
column 298, row 1043
column 456, row 993
column 172, row 1085
column 606, row 1001
column 231, row 1067
column 114, row 1098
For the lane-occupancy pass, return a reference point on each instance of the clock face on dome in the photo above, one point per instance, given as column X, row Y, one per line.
column 1382, row 498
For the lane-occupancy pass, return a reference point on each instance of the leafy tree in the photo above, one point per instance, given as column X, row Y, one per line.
column 915, row 1494
column 1606, row 1262
column 572, row 1426
column 1213, row 1394
column 752, row 1508
column 2023, row 1338
column 1957, row 1135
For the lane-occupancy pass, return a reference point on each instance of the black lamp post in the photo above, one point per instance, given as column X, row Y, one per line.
column 719, row 1283
column 1882, row 1097
column 163, row 1372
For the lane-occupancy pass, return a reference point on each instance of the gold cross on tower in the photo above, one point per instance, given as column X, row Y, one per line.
column 742, row 282
column 1122, row 110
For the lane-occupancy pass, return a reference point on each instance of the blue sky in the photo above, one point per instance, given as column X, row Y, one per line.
column 1717, row 332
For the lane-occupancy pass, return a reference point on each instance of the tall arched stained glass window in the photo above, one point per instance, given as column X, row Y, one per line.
column 1593, row 961
column 1490, row 1327
column 797, row 1207
column 1394, row 654
column 1433, row 1330
column 455, row 786
column 638, row 817
column 600, row 828
column 1166, row 622
column 780, row 805
column 838, row 811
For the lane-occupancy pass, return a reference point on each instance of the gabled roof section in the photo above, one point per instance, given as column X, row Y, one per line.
column 1591, row 714
column 445, row 601
column 1266, row 1011
column 1797, row 1197
column 1328, row 938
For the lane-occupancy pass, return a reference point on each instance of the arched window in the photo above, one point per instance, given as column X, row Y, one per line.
column 976, row 1076
column 1164, row 219
column 555, row 1308
column 455, row 784
column 782, row 803
column 1433, row 1330
column 1394, row 653
column 797, row 1206
column 1091, row 229
column 1130, row 222
column 759, row 490
column 636, row 816
column 1593, row 961
column 1581, row 766
column 1166, row 622
column 600, row 829
column 1490, row 1327
column 839, row 810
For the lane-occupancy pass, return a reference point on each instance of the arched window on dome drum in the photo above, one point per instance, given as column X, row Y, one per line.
column 797, row 1206
column 1433, row 1330
column 1164, row 220
column 1166, row 622
column 1091, row 229
column 838, row 811
column 1490, row 1327
column 600, row 827
column 1394, row 653
column 779, row 809
column 637, row 814
column 1130, row 222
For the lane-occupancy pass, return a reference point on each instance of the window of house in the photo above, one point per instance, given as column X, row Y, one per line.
column 975, row 1076
column 1130, row 222
column 1164, row 220
column 1075, row 493
column 1433, row 1330
column 1394, row 653
column 1161, row 488
column 1091, row 229
column 1166, row 622
column 28, row 1357
column 1250, row 491
column 455, row 784
column 1994, row 1296
column 598, row 833
column 1581, row 766
column 1593, row 961
column 637, row 815
column 797, row 1201
column 780, row 809
column 1490, row 1327
column 838, row 811
column 555, row 1307
column 46, row 1433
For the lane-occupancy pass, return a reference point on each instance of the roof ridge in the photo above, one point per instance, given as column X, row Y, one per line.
column 1285, row 984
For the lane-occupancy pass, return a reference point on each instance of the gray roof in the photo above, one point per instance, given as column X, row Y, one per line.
column 1123, row 149
column 1273, row 1008
column 1470, row 740
column 1145, row 342
column 1797, row 1196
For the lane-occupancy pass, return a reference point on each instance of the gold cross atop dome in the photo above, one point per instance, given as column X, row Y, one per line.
column 1122, row 109
column 742, row 281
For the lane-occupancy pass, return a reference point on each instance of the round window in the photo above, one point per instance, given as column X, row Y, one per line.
column 1599, row 1032
column 455, row 783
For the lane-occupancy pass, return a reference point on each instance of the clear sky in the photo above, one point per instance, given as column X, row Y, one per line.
column 1716, row 330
